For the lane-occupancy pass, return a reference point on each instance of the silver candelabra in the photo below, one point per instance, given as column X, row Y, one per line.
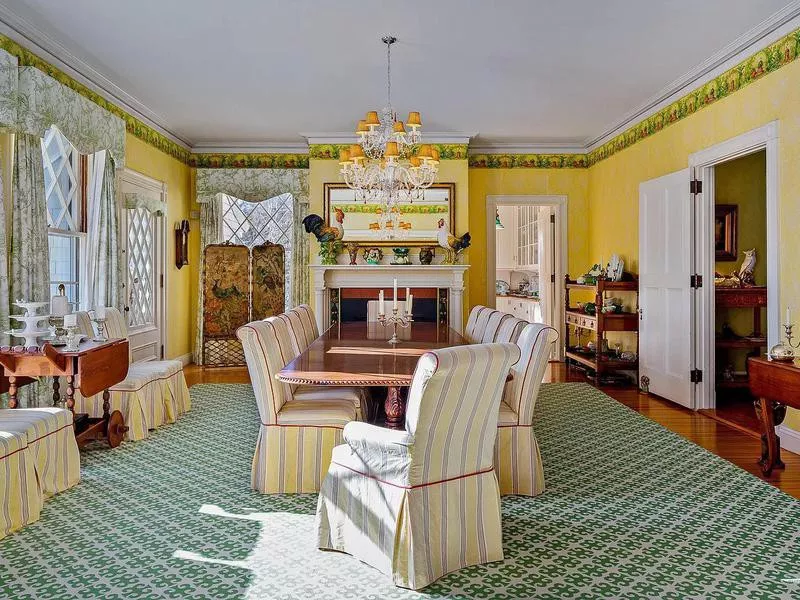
column 784, row 352
column 404, row 320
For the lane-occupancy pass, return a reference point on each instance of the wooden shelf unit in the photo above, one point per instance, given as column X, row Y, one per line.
column 600, row 323
column 755, row 299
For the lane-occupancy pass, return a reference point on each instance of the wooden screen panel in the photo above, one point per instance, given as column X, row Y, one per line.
column 226, row 290
column 269, row 280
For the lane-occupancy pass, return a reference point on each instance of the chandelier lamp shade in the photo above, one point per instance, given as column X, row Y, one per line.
column 389, row 166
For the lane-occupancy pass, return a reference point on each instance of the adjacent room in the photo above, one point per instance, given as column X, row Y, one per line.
column 421, row 300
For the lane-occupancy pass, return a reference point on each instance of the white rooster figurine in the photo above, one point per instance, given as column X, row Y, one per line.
column 452, row 245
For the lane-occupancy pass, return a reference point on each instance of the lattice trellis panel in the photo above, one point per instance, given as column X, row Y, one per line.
column 61, row 181
column 141, row 280
column 223, row 353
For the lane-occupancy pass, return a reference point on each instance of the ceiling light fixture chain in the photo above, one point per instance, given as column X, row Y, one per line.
column 390, row 165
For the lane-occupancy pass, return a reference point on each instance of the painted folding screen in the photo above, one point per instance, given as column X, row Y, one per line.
column 269, row 297
column 226, row 303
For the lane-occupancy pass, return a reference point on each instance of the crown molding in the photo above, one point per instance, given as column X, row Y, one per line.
column 346, row 137
column 250, row 148
column 544, row 147
column 765, row 33
column 53, row 52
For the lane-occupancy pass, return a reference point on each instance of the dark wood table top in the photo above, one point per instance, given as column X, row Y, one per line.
column 359, row 354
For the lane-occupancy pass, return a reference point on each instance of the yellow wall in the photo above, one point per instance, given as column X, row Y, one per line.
column 743, row 182
column 572, row 183
column 145, row 159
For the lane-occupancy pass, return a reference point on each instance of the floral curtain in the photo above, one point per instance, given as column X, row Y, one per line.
column 253, row 185
column 210, row 233
column 4, row 297
column 30, row 253
column 105, row 260
column 43, row 102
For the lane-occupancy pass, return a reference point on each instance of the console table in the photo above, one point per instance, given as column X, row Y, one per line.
column 92, row 368
column 775, row 385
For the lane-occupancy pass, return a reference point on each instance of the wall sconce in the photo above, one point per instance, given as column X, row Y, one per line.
column 182, row 243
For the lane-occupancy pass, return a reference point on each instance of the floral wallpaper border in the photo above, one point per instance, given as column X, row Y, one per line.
column 761, row 63
column 331, row 151
column 528, row 161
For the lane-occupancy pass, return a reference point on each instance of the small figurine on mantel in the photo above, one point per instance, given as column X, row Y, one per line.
column 744, row 277
column 452, row 245
column 329, row 238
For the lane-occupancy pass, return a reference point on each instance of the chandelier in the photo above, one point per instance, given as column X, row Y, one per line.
column 389, row 166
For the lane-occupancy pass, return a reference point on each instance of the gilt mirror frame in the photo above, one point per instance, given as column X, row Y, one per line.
column 338, row 195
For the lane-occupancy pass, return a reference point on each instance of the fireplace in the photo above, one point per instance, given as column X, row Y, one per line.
column 352, row 303
column 342, row 291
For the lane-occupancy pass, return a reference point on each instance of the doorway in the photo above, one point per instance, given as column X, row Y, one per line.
column 526, row 258
column 143, row 225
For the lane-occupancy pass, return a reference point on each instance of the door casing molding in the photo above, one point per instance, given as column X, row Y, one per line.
column 702, row 163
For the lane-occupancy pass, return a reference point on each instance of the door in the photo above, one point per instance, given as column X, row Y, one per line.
column 506, row 242
column 143, row 224
column 547, row 265
column 665, row 264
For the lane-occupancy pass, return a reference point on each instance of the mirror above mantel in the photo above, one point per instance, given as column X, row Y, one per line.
column 419, row 219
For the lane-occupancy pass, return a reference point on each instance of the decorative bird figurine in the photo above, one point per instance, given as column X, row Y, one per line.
column 743, row 277
column 452, row 245
column 316, row 225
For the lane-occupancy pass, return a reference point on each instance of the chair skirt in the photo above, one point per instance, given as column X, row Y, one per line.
column 20, row 491
column 293, row 459
column 408, row 533
column 518, row 462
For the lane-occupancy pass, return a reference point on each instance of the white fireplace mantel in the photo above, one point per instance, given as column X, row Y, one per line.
column 381, row 276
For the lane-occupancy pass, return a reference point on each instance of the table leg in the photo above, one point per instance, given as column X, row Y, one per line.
column 12, row 391
column 770, row 414
column 395, row 407
column 71, row 393
column 56, row 392
column 106, row 404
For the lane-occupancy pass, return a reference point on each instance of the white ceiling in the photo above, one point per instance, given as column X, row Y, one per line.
column 224, row 71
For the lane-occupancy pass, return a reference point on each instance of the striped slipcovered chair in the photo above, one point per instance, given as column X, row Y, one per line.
column 296, row 437
column 517, row 458
column 38, row 458
column 386, row 497
column 481, row 323
column 471, row 321
column 493, row 324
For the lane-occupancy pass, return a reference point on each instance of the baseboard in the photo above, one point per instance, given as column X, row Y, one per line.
column 186, row 359
column 790, row 438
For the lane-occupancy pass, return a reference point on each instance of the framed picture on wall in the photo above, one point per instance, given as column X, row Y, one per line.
column 725, row 230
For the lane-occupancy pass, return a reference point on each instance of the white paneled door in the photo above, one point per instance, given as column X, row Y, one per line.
column 144, row 285
column 665, row 265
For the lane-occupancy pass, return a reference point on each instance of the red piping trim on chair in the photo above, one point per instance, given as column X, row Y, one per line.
column 414, row 487
column 292, row 425
column 114, row 388
column 36, row 440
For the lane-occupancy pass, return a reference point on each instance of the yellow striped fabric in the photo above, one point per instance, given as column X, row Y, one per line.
column 297, row 435
column 517, row 458
column 21, row 496
column 38, row 458
column 420, row 503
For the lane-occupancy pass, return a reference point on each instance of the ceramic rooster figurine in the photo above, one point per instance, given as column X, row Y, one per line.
column 316, row 225
column 452, row 245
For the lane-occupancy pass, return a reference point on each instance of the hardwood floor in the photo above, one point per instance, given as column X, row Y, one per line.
column 733, row 443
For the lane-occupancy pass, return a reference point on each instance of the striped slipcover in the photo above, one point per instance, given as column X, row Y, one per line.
column 493, row 325
column 38, row 458
column 517, row 459
column 296, row 437
column 469, row 330
column 419, row 503
column 153, row 393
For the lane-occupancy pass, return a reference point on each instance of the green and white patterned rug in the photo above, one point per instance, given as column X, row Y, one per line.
column 632, row 510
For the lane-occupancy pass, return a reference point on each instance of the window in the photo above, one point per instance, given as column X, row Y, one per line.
column 253, row 223
column 64, row 182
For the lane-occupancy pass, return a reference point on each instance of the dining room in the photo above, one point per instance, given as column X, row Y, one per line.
column 372, row 300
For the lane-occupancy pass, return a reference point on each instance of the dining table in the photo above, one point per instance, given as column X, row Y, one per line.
column 359, row 354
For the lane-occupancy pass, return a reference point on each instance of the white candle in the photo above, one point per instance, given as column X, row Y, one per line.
column 100, row 312
column 394, row 305
column 788, row 316
column 380, row 303
column 70, row 320
column 409, row 300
